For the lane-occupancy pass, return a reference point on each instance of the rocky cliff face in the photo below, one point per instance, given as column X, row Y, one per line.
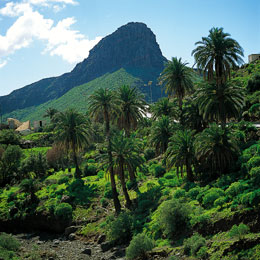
column 132, row 46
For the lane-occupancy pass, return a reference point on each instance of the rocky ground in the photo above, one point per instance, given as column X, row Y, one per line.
column 37, row 246
column 46, row 246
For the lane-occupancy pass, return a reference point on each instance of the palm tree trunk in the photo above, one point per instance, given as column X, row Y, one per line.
column 181, row 112
column 111, row 170
column 190, row 176
column 122, row 178
column 75, row 159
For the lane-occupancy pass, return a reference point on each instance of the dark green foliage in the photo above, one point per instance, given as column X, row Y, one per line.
column 108, row 191
column 193, row 193
column 149, row 154
column 36, row 163
column 251, row 199
column 254, row 162
column 203, row 252
column 9, row 137
column 239, row 231
column 211, row 195
column 90, row 170
column 63, row 212
column 8, row 242
column 139, row 246
column 193, row 244
column 254, row 84
column 236, row 188
column 179, row 193
column 255, row 175
column 159, row 171
column 173, row 215
column 64, row 179
column 8, row 247
column 9, row 164
column 80, row 193
column 120, row 229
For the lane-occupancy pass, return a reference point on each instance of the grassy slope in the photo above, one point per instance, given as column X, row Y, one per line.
column 77, row 97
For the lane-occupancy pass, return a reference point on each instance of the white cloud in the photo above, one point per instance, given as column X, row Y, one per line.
column 3, row 63
column 30, row 25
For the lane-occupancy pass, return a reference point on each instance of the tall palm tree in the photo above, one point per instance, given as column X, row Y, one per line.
column 132, row 107
column 50, row 112
column 161, row 132
column 164, row 107
column 73, row 132
column 219, row 103
column 126, row 155
column 217, row 148
column 180, row 152
column 103, row 103
column 217, row 53
column 177, row 78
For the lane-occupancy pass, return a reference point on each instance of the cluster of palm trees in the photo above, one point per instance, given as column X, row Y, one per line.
column 179, row 131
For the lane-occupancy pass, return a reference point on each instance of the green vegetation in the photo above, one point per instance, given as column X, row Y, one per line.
column 183, row 184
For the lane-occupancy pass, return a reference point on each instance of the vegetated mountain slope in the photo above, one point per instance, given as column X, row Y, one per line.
column 77, row 97
column 132, row 47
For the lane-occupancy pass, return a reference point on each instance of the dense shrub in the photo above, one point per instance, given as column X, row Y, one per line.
column 159, row 171
column 120, row 228
column 251, row 199
column 90, row 170
column 239, row 231
column 220, row 202
column 193, row 244
column 139, row 246
column 9, row 164
column 9, row 137
column 254, row 162
column 236, row 188
column 174, row 214
column 63, row 212
column 255, row 175
column 194, row 192
column 211, row 195
column 149, row 154
column 179, row 193
column 8, row 242
column 36, row 163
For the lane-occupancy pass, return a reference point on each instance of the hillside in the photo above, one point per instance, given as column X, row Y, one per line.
column 132, row 47
column 78, row 96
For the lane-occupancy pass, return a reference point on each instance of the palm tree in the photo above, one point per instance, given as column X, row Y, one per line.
column 103, row 103
column 217, row 148
column 161, row 132
column 50, row 112
column 180, row 152
column 177, row 79
column 217, row 53
column 219, row 103
column 73, row 132
column 132, row 108
column 164, row 107
column 126, row 156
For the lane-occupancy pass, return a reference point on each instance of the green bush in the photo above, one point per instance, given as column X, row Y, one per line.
column 8, row 242
column 90, row 170
column 179, row 193
column 91, row 161
column 101, row 174
column 211, row 195
column 108, row 191
column 236, row 188
column 220, row 202
column 63, row 211
column 139, row 246
column 239, row 231
column 254, row 162
column 64, row 179
column 251, row 199
column 120, row 228
column 194, row 192
column 104, row 202
column 255, row 175
column 203, row 252
column 9, row 137
column 149, row 154
column 193, row 244
column 174, row 214
column 159, row 171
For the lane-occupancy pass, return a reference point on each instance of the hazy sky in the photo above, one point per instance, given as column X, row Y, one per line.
column 43, row 38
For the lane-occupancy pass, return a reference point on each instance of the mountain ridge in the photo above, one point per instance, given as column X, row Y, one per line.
column 132, row 46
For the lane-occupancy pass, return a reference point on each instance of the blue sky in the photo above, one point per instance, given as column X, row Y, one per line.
column 44, row 38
